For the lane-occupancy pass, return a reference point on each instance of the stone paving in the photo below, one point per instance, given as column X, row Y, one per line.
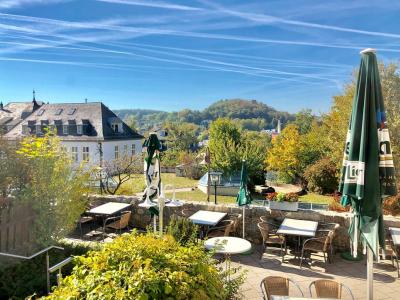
column 353, row 274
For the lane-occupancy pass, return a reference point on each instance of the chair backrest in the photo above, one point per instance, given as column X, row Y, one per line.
column 187, row 212
column 125, row 217
column 236, row 219
column 264, row 229
column 328, row 239
column 228, row 225
column 275, row 285
column 327, row 288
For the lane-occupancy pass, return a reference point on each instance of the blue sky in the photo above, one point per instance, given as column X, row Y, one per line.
column 171, row 55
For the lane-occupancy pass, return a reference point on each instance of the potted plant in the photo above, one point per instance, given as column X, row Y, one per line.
column 282, row 201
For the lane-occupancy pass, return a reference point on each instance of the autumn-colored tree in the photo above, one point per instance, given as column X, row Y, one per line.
column 56, row 191
column 284, row 154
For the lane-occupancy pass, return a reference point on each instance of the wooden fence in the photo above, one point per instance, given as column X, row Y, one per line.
column 16, row 229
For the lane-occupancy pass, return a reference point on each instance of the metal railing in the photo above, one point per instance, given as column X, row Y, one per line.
column 58, row 267
column 48, row 268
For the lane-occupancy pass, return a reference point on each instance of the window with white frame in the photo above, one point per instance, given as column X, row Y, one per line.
column 79, row 129
column 85, row 153
column 125, row 150
column 64, row 149
column 65, row 129
column 116, row 152
column 133, row 151
column 74, row 154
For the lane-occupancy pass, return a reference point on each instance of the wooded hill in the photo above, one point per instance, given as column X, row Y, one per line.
column 252, row 114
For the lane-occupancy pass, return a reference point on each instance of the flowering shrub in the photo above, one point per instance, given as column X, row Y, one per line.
column 144, row 267
column 289, row 197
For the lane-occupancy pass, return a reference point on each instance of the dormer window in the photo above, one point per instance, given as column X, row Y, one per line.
column 65, row 129
column 116, row 127
column 79, row 129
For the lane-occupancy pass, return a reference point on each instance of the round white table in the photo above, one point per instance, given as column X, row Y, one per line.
column 228, row 246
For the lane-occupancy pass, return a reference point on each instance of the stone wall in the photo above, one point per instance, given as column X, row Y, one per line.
column 141, row 217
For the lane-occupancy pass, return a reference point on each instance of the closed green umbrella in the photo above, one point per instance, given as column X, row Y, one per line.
column 368, row 172
column 243, row 197
column 152, row 171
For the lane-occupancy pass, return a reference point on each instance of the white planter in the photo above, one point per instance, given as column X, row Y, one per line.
column 284, row 205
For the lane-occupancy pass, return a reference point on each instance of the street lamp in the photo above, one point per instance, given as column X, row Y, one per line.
column 215, row 178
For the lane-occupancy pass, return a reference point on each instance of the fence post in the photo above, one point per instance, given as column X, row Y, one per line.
column 48, row 272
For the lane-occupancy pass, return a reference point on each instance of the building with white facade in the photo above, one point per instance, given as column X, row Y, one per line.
column 90, row 132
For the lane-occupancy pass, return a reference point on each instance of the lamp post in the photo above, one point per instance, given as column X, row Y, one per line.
column 215, row 179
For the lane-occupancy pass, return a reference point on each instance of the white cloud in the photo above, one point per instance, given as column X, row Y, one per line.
column 19, row 3
column 155, row 4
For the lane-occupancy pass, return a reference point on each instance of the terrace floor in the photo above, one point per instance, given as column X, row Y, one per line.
column 353, row 274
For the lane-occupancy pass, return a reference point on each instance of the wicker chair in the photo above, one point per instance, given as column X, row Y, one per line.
column 186, row 213
column 393, row 251
column 224, row 228
column 236, row 218
column 277, row 286
column 329, row 289
column 272, row 222
column 269, row 236
column 120, row 222
column 85, row 219
column 321, row 243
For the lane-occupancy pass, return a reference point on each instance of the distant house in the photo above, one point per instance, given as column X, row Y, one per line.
column 88, row 131
column 14, row 113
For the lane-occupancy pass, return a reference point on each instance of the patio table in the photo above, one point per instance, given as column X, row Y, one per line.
column 299, row 228
column 297, row 298
column 108, row 209
column 207, row 218
column 395, row 233
column 228, row 245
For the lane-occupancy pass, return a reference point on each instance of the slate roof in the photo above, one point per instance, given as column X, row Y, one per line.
column 94, row 117
column 15, row 112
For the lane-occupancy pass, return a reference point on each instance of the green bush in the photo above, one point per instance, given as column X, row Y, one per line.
column 322, row 176
column 20, row 279
column 183, row 230
column 144, row 267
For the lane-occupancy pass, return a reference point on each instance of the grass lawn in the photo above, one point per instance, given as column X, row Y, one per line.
column 197, row 195
column 137, row 184
column 316, row 198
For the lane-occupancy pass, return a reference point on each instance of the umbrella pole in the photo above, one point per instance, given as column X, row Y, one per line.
column 244, row 209
column 370, row 273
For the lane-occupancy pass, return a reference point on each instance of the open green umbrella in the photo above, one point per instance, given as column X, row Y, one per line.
column 368, row 172
column 243, row 197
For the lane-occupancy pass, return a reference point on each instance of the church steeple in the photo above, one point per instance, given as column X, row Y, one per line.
column 35, row 104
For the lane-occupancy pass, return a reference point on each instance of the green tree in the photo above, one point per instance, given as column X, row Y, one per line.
column 224, row 143
column 181, row 136
column 304, row 120
column 252, row 148
column 390, row 78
